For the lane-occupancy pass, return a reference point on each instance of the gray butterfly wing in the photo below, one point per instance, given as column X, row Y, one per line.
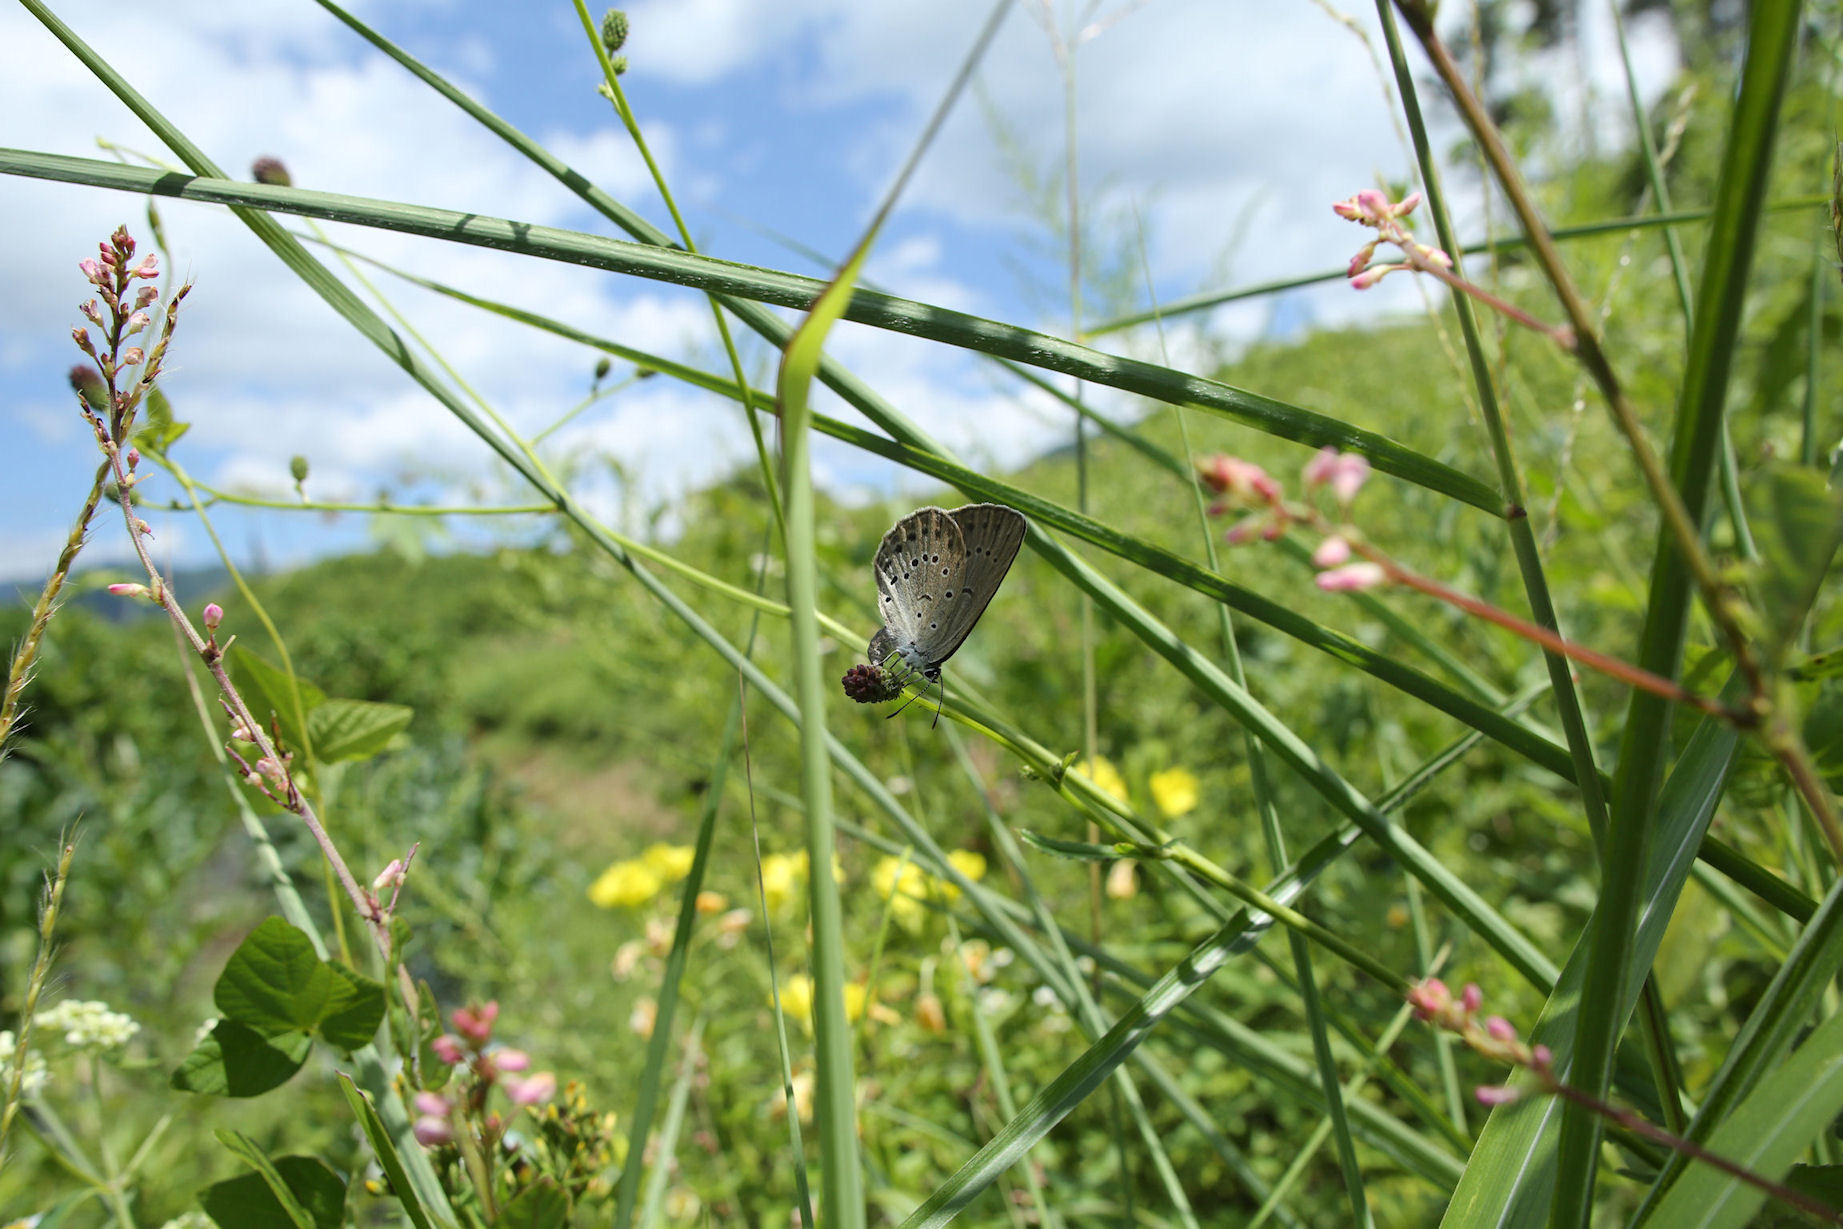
column 910, row 562
column 991, row 535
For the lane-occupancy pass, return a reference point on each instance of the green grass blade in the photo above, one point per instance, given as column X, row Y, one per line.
column 666, row 1154
column 653, row 1070
column 1740, row 194
column 768, row 286
column 1784, row 1010
column 1508, row 1179
column 1666, row 220
column 1789, row 1110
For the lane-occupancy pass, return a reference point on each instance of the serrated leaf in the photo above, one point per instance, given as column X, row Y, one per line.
column 353, row 1011
column 1798, row 528
column 354, row 729
column 539, row 1206
column 275, row 982
column 1765, row 1133
column 290, row 1192
column 267, row 691
column 386, row 1151
column 237, row 1061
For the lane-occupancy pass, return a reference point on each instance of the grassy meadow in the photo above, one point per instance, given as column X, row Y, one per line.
column 1137, row 933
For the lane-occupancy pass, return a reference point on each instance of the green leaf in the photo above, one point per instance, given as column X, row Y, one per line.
column 386, row 1151
column 354, row 729
column 1822, row 1182
column 236, row 1061
column 275, row 982
column 268, row 691
column 539, row 1206
column 1818, row 666
column 1823, row 733
column 1797, row 529
column 1082, row 851
column 159, row 431
column 353, row 1011
column 290, row 1192
column 1765, row 1133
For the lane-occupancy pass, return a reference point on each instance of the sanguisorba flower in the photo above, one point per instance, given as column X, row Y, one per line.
column 624, row 885
column 1174, row 791
column 1104, row 775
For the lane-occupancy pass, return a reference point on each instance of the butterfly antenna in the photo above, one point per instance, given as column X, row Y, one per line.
column 906, row 703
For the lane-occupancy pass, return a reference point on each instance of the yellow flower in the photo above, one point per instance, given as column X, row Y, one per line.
column 712, row 902
column 670, row 862
column 782, row 875
column 797, row 999
column 1175, row 791
column 968, row 863
column 1105, row 776
column 625, row 884
column 901, row 884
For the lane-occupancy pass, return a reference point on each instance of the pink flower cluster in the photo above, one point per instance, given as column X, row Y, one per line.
column 1493, row 1036
column 470, row 1045
column 1243, row 484
column 1375, row 209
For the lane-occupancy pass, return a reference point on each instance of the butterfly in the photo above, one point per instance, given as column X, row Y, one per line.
column 936, row 571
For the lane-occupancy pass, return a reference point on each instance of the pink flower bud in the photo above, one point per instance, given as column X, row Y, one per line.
column 134, row 456
column 510, row 1061
column 82, row 337
column 432, row 1104
column 1540, row 1057
column 433, row 1132
column 1351, row 577
column 141, row 526
column 1373, row 203
column 91, row 271
column 1500, row 1029
column 475, row 1024
column 1429, row 998
column 1471, row 997
column 533, row 1089
column 1348, row 210
column 1496, row 1094
column 1346, row 472
column 1434, row 255
column 136, row 323
column 391, row 875
column 149, row 267
column 128, row 590
column 214, row 617
column 447, row 1047
column 1245, row 530
column 132, row 356
column 1406, row 205
column 91, row 312
column 1333, row 551
column 1360, row 261
column 1370, row 276
column 144, row 296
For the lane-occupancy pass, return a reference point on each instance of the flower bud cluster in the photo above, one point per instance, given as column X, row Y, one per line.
column 1493, row 1036
column 487, row 1066
column 871, row 684
column 1374, row 209
column 1242, row 484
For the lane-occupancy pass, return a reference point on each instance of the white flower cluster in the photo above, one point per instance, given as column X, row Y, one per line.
column 35, row 1075
column 88, row 1025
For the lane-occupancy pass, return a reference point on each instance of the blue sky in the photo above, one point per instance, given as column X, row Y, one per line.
column 1228, row 126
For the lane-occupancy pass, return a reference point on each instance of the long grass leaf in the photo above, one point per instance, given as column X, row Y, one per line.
column 768, row 286
column 1740, row 195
